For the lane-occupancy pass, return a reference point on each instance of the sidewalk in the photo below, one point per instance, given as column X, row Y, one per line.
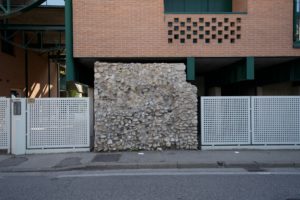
column 251, row 160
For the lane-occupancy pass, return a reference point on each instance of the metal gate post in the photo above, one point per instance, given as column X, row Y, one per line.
column 5, row 124
column 18, row 126
column 252, row 133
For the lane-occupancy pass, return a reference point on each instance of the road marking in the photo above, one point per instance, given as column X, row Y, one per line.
column 108, row 174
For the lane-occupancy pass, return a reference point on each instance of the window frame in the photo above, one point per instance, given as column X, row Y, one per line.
column 296, row 39
column 200, row 12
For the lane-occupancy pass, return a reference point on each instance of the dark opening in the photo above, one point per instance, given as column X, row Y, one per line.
column 7, row 37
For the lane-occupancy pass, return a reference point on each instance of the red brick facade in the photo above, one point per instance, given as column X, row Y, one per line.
column 139, row 28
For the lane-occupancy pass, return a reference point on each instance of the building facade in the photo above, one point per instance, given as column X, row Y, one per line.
column 219, row 35
column 150, row 61
column 229, row 47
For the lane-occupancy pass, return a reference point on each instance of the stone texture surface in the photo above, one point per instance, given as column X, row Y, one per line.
column 144, row 107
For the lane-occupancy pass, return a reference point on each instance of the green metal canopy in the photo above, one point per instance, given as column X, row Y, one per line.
column 9, row 8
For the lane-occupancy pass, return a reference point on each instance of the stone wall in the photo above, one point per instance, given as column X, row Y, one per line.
column 144, row 107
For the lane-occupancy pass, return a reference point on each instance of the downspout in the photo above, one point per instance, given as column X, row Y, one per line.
column 70, row 76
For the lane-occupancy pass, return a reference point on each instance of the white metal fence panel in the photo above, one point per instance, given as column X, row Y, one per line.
column 5, row 124
column 58, row 123
column 225, row 120
column 276, row 120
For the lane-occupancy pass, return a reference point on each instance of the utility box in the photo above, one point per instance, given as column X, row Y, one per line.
column 18, row 126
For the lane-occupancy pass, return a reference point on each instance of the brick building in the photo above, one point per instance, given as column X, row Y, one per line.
column 231, row 47
column 130, row 52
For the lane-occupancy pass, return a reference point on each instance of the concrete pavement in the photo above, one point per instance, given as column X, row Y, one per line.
column 253, row 160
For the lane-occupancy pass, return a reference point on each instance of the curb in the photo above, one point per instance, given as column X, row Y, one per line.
column 120, row 166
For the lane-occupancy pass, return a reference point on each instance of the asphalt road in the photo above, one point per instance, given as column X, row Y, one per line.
column 237, row 184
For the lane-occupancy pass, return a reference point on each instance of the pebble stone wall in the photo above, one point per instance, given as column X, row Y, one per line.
column 144, row 107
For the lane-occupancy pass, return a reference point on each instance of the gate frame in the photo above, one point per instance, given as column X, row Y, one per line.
column 253, row 120
column 18, row 135
column 251, row 117
column 224, row 97
column 8, row 124
column 57, row 149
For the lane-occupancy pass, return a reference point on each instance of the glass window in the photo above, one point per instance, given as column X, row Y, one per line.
column 54, row 3
column 198, row 6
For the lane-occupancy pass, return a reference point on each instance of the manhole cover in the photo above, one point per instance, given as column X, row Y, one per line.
column 106, row 158
column 68, row 162
column 11, row 162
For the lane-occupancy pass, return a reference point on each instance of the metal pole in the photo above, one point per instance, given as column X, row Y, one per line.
column 8, row 6
column 26, row 73
column 49, row 78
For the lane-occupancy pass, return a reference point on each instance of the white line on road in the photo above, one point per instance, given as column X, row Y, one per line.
column 107, row 174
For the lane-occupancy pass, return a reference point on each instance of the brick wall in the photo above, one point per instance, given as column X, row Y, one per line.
column 12, row 74
column 239, row 5
column 139, row 28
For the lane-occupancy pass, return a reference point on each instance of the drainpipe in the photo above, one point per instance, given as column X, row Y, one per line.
column 69, row 41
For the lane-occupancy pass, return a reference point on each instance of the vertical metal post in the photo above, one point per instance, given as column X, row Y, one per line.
column 8, row 6
column 69, row 41
column 250, row 68
column 26, row 73
column 191, row 69
column 295, row 21
column 49, row 77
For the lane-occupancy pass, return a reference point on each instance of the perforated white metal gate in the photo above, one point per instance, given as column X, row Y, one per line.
column 5, row 124
column 276, row 120
column 225, row 120
column 58, row 123
column 267, row 122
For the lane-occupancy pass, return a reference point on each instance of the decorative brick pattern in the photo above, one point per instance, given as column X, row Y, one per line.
column 204, row 30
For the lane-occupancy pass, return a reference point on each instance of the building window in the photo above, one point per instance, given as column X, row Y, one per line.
column 6, row 46
column 198, row 6
column 297, row 23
